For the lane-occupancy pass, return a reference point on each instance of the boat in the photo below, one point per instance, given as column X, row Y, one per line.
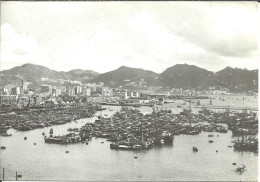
column 127, row 146
column 241, row 168
column 67, row 151
column 54, row 140
column 102, row 135
column 137, row 105
column 210, row 135
column 195, row 149
column 101, row 108
column 246, row 144
column 211, row 141
column 159, row 141
column 6, row 134
column 19, row 176
column 120, row 146
column 168, row 139
column 25, row 138
column 3, row 147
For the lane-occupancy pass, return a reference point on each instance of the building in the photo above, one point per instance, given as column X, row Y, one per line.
column 8, row 99
column 86, row 91
column 107, row 92
column 15, row 91
column 56, row 92
column 47, row 89
column 24, row 100
column 35, row 100
column 77, row 90
column 121, row 93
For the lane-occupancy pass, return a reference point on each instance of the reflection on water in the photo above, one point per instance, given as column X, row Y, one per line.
column 96, row 161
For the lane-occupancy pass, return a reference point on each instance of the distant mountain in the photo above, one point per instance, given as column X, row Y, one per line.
column 186, row 76
column 81, row 74
column 125, row 75
column 34, row 73
column 237, row 79
column 179, row 76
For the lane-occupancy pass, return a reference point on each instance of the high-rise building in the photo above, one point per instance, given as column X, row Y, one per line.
column 77, row 90
column 15, row 91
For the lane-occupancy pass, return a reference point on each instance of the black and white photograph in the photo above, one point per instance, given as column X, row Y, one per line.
column 129, row 90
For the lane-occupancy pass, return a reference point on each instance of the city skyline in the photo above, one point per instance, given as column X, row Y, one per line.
column 153, row 36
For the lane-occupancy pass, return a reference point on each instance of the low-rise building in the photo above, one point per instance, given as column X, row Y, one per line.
column 8, row 99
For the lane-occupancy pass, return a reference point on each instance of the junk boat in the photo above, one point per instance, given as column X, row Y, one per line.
column 246, row 144
column 168, row 138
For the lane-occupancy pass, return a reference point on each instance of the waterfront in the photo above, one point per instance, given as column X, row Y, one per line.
column 96, row 161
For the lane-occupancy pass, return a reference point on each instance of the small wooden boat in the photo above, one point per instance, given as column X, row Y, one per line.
column 19, row 175
column 195, row 149
column 135, row 157
column 67, row 151
column 25, row 138
column 3, row 147
column 241, row 168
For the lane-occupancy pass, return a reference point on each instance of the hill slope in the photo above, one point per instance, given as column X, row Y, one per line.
column 186, row 76
column 34, row 73
column 124, row 75
column 237, row 79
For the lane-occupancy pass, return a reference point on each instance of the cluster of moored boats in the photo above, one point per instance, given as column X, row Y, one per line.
column 32, row 119
column 129, row 129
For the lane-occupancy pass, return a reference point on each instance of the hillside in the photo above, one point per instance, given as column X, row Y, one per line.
column 178, row 76
column 186, row 76
column 124, row 75
column 34, row 73
column 237, row 79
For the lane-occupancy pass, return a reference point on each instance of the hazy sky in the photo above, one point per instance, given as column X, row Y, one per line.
column 103, row 36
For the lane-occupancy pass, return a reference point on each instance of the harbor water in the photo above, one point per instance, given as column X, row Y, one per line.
column 96, row 161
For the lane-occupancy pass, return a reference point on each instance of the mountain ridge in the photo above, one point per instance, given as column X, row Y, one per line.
column 177, row 76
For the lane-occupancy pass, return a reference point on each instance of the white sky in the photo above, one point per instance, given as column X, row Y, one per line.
column 103, row 36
